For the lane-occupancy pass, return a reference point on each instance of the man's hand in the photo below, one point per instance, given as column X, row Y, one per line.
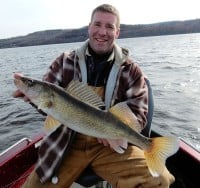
column 19, row 94
column 116, row 144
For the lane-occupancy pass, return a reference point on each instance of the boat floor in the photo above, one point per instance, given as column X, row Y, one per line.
column 16, row 166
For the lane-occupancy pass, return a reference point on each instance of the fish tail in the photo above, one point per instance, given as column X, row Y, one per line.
column 160, row 149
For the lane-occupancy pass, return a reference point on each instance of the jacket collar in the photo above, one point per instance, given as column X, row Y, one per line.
column 120, row 54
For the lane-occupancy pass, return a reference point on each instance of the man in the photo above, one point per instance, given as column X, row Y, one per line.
column 108, row 69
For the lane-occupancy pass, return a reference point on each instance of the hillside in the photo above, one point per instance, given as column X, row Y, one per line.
column 78, row 35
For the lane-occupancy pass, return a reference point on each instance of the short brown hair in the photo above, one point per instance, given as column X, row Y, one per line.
column 109, row 9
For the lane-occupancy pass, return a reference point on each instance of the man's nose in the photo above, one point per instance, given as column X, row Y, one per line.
column 102, row 30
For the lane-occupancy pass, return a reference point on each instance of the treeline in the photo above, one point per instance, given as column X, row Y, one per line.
column 78, row 35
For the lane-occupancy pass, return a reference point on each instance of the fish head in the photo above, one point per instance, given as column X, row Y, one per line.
column 34, row 89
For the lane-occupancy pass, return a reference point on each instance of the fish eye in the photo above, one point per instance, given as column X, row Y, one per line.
column 30, row 82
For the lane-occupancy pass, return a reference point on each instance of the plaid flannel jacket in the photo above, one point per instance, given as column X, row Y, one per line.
column 130, row 87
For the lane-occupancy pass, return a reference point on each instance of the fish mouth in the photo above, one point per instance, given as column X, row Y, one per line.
column 17, row 79
column 26, row 86
column 20, row 83
column 17, row 76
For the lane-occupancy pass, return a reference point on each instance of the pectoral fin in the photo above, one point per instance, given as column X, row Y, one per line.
column 51, row 124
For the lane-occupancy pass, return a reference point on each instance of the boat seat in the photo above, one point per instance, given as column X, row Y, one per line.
column 88, row 177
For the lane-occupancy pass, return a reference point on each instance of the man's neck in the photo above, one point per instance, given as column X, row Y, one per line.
column 99, row 57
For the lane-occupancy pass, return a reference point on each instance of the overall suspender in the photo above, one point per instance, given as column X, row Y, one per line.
column 111, row 82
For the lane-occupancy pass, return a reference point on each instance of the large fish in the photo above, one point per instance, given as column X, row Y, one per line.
column 78, row 107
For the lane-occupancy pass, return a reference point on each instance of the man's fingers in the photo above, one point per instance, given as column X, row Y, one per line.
column 17, row 93
column 103, row 141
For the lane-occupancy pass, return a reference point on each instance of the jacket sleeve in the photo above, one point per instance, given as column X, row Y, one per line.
column 133, row 89
column 54, row 72
column 61, row 71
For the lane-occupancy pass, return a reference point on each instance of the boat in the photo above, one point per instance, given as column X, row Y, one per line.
column 17, row 162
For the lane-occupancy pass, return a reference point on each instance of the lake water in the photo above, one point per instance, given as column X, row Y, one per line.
column 172, row 63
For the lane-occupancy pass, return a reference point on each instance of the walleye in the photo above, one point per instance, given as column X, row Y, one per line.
column 78, row 107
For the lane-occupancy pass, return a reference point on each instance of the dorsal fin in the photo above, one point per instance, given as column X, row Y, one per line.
column 84, row 93
column 124, row 114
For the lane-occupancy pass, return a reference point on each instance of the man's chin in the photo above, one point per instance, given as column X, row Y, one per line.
column 101, row 50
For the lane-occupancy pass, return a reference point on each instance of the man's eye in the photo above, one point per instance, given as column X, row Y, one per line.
column 110, row 27
column 97, row 25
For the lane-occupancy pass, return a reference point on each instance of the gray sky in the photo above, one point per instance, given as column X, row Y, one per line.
column 21, row 17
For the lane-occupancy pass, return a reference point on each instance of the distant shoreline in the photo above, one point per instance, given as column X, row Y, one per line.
column 78, row 35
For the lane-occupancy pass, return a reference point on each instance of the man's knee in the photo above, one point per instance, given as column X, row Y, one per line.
column 130, row 182
column 163, row 181
column 32, row 181
column 166, row 178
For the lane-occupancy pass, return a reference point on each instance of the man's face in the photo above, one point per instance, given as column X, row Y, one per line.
column 102, row 32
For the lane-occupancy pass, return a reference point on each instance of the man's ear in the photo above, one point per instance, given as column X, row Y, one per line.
column 117, row 33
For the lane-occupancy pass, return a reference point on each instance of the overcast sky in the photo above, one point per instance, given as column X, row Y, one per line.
column 21, row 17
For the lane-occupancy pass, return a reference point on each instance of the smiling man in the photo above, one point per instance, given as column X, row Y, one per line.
column 115, row 77
column 104, row 28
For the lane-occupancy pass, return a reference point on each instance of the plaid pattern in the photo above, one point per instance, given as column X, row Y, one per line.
column 130, row 87
column 52, row 151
